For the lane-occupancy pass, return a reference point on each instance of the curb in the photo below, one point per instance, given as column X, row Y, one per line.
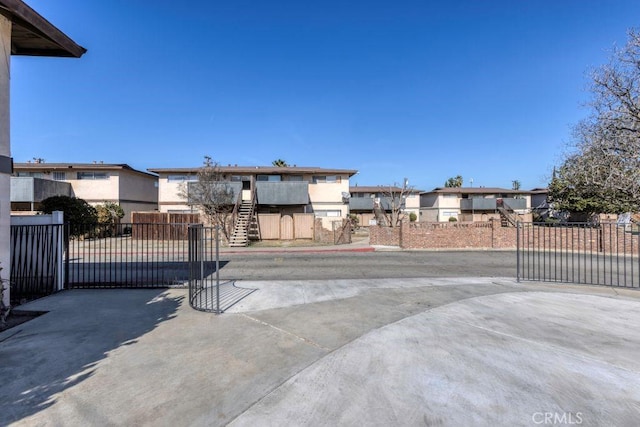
column 289, row 251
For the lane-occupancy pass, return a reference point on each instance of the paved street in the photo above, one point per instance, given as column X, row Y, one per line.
column 355, row 265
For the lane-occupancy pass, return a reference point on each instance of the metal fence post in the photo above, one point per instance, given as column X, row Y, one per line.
column 518, row 225
column 218, row 269
column 67, row 249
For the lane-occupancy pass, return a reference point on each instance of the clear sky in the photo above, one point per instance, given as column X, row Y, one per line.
column 420, row 89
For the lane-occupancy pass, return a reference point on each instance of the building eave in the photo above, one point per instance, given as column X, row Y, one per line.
column 259, row 170
column 33, row 35
column 59, row 167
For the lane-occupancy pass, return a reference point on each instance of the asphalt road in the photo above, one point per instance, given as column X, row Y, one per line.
column 358, row 265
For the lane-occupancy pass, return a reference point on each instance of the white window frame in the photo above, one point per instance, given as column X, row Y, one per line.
column 92, row 175
column 182, row 178
column 328, row 213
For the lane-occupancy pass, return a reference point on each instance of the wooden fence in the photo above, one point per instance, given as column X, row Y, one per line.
column 286, row 227
column 161, row 225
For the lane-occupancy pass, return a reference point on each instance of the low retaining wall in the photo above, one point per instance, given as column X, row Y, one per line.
column 436, row 235
column 609, row 238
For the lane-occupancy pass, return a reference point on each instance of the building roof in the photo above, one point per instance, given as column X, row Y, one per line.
column 539, row 191
column 260, row 170
column 475, row 190
column 58, row 167
column 379, row 189
column 33, row 35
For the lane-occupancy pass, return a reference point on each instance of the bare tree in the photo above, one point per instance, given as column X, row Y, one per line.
column 393, row 202
column 602, row 171
column 212, row 195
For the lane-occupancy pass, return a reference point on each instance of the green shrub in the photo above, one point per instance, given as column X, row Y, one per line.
column 77, row 212
column 413, row 217
column 453, row 219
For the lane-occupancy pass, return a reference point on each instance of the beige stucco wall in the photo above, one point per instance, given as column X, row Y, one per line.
column 448, row 202
column 168, row 195
column 95, row 190
column 327, row 196
column 168, row 191
column 5, row 150
column 328, row 191
column 412, row 205
column 136, row 187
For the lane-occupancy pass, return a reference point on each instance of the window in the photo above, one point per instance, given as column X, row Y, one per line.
column 93, row 175
column 329, row 213
column 181, row 178
column 294, row 178
column 270, row 178
column 326, row 179
column 31, row 174
column 59, row 176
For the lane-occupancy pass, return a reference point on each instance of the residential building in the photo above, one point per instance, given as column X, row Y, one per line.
column 368, row 202
column 284, row 190
column 96, row 183
column 473, row 204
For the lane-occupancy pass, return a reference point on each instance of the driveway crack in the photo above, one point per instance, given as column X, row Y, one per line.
column 298, row 337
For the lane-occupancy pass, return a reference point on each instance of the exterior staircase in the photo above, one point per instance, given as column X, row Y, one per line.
column 508, row 218
column 245, row 225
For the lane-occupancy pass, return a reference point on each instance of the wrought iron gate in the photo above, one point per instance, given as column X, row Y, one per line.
column 206, row 290
column 131, row 255
column 595, row 254
column 36, row 260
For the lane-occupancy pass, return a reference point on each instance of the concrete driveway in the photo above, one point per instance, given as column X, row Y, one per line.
column 343, row 352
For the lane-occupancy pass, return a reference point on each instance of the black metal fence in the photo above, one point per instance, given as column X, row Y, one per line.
column 207, row 292
column 137, row 255
column 597, row 254
column 36, row 261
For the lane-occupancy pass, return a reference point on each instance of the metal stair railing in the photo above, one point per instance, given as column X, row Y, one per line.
column 508, row 213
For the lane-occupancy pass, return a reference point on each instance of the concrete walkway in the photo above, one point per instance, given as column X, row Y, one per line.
column 359, row 352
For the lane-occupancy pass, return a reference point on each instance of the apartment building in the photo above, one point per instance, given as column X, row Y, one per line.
column 368, row 201
column 285, row 190
column 96, row 183
column 472, row 203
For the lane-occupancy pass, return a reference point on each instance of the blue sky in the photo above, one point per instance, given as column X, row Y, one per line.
column 420, row 89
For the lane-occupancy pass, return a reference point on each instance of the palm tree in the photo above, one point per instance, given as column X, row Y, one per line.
column 279, row 163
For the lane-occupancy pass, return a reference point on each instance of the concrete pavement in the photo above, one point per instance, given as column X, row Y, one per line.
column 439, row 351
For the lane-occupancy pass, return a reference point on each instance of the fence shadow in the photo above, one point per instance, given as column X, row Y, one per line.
column 204, row 297
column 134, row 274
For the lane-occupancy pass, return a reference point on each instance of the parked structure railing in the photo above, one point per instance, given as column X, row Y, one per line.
column 207, row 292
column 597, row 254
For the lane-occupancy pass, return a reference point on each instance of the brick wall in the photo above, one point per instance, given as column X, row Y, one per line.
column 605, row 238
column 472, row 235
column 436, row 235
column 384, row 236
column 340, row 235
